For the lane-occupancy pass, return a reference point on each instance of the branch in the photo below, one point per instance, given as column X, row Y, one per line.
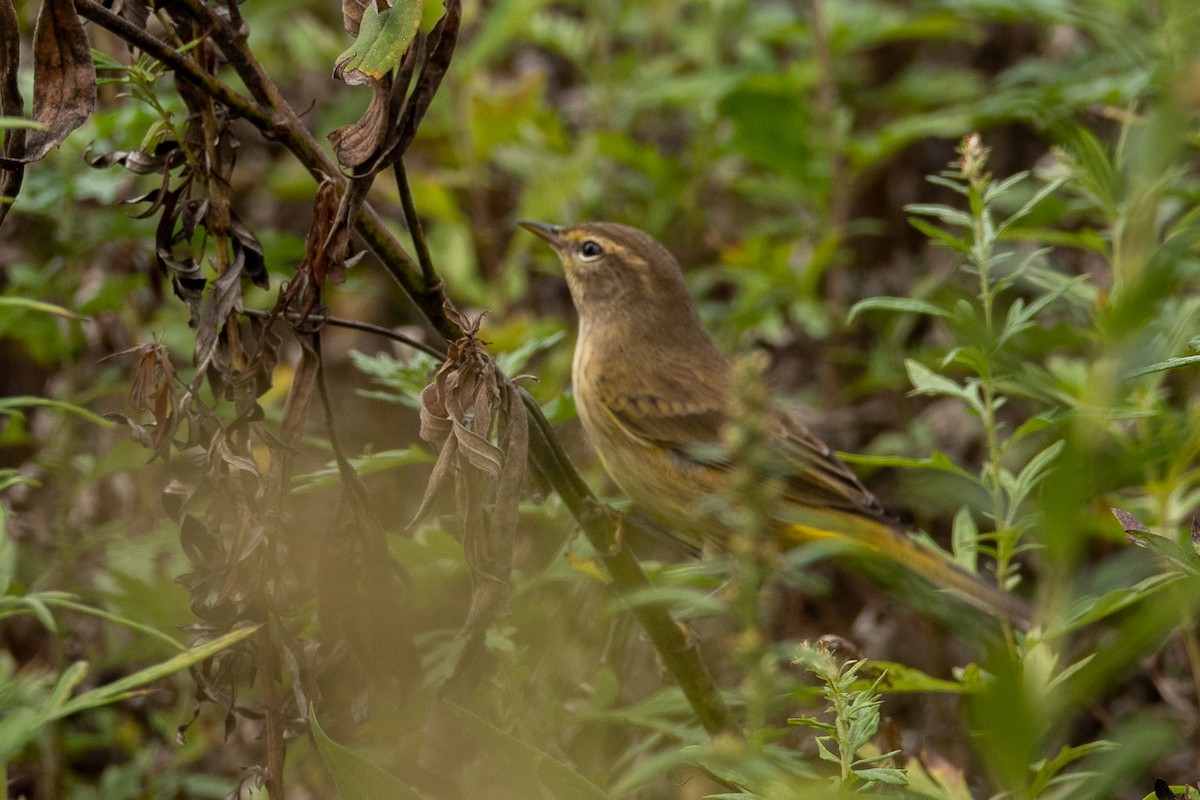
column 600, row 523
column 603, row 526
column 282, row 125
column 366, row 327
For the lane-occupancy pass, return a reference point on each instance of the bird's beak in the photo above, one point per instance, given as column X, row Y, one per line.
column 551, row 233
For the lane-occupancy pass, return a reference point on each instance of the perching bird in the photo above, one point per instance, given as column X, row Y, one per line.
column 654, row 395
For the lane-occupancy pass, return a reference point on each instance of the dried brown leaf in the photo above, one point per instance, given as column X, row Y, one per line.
column 64, row 79
column 352, row 14
column 11, row 105
column 1129, row 522
column 355, row 144
column 442, row 41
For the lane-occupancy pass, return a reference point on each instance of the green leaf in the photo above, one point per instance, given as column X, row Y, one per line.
column 904, row 304
column 926, row 381
column 37, row 305
column 936, row 460
column 545, row 773
column 120, row 689
column 888, row 775
column 357, row 778
column 13, row 405
column 71, row 677
column 965, row 540
column 684, row 600
column 1161, row 366
column 948, row 215
column 382, row 39
column 1033, row 473
column 1031, row 203
column 1048, row 768
column 938, row 236
column 898, row 678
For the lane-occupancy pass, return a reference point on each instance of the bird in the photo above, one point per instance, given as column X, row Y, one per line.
column 656, row 398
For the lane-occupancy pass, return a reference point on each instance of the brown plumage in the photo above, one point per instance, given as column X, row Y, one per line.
column 652, row 391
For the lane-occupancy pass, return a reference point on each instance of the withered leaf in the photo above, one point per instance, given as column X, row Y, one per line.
column 442, row 41
column 477, row 419
column 1129, row 522
column 152, row 390
column 223, row 296
column 11, row 105
column 166, row 155
column 354, row 144
column 134, row 11
column 64, row 79
column 336, row 246
column 367, row 146
column 352, row 14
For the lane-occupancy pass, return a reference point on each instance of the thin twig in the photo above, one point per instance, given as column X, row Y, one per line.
column 367, row 327
column 268, row 674
column 414, row 224
column 286, row 129
column 183, row 66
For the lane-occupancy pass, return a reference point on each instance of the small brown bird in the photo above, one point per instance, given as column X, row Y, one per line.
column 655, row 396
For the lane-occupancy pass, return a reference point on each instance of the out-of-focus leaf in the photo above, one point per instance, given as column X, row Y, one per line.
column 905, row 304
column 355, row 777
column 37, row 305
column 545, row 775
column 11, row 107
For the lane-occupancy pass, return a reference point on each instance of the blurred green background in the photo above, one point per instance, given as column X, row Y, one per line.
column 1034, row 368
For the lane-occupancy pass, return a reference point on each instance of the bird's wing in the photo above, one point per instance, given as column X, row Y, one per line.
column 688, row 430
column 817, row 477
column 692, row 430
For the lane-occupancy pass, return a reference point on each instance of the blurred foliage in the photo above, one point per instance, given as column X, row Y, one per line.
column 1010, row 346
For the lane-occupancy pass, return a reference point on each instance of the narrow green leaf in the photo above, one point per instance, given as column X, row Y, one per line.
column 10, row 405
column 38, row 305
column 1161, row 366
column 111, row 692
column 1033, row 472
column 939, row 461
column 903, row 304
column 71, row 677
column 948, row 215
column 938, row 236
column 1031, row 203
column 926, row 381
column 886, row 775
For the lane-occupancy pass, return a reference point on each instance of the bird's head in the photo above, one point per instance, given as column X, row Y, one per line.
column 616, row 271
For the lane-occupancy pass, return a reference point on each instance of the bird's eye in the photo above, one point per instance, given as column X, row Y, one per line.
column 591, row 250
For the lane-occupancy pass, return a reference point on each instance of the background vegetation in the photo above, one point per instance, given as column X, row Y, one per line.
column 1008, row 348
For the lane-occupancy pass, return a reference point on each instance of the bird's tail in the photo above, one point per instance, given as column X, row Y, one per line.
column 875, row 538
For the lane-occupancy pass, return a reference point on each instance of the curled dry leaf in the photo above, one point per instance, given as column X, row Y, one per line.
column 1130, row 523
column 10, row 106
column 64, row 79
column 388, row 126
column 153, row 390
column 475, row 417
column 352, row 14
